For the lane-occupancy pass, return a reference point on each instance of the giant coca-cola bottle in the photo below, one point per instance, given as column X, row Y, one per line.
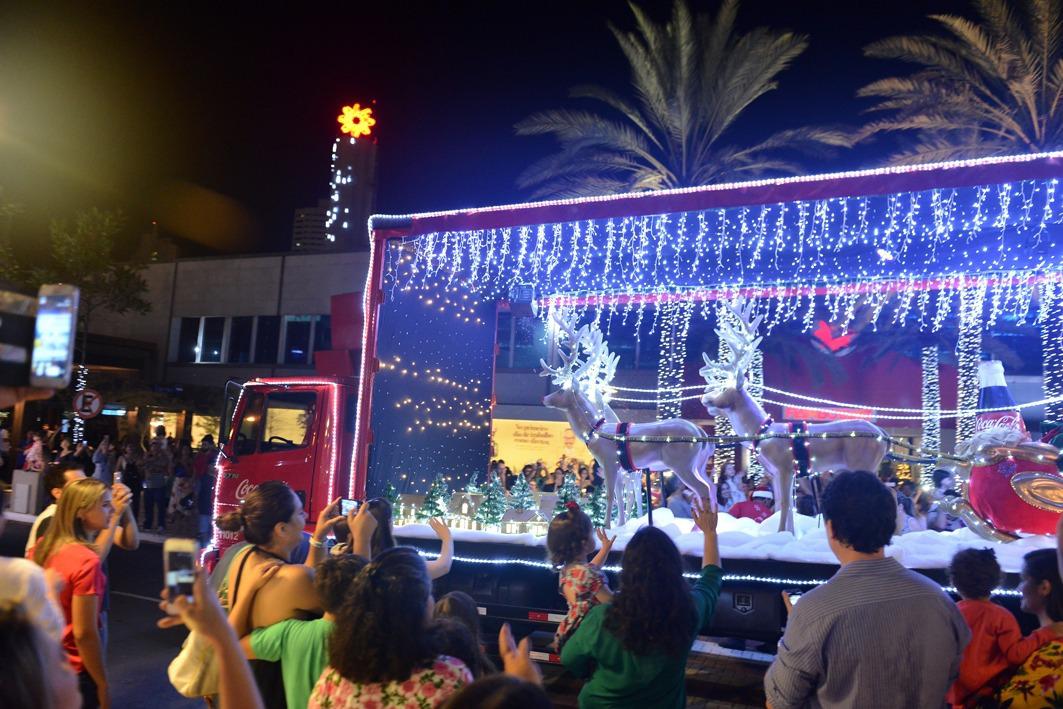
column 997, row 408
column 1002, row 451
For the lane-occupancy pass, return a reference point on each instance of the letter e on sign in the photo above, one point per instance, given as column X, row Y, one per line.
column 88, row 403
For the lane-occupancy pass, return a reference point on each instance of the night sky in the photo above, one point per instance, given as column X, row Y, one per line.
column 125, row 105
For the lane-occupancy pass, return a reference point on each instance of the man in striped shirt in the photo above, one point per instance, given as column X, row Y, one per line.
column 876, row 634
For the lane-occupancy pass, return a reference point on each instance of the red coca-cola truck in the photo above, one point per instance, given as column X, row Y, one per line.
column 296, row 429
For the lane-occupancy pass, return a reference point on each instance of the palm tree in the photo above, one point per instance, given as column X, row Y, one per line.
column 692, row 78
column 991, row 87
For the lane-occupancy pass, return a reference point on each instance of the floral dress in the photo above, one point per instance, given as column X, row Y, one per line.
column 584, row 580
column 425, row 689
column 1037, row 683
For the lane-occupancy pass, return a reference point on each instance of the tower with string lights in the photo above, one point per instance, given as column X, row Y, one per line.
column 352, row 181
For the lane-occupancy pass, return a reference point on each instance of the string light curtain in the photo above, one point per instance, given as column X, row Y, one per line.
column 968, row 354
column 931, row 404
column 1050, row 320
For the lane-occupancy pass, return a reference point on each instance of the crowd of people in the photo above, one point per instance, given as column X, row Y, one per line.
column 742, row 495
column 346, row 618
column 168, row 482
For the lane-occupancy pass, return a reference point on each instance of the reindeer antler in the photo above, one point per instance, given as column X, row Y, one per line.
column 587, row 364
column 738, row 328
column 565, row 373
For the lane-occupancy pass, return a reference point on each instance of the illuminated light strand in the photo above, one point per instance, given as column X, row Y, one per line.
column 936, row 257
column 218, row 477
column 727, row 186
column 930, row 393
column 81, row 382
column 968, row 354
column 616, row 569
column 944, row 413
column 1051, row 326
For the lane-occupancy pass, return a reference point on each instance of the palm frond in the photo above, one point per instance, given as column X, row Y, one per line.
column 691, row 78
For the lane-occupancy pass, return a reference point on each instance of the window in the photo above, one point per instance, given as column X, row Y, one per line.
column 250, row 424
column 240, row 339
column 322, row 333
column 188, row 340
column 248, row 339
column 289, row 418
column 297, row 339
column 266, row 339
column 213, row 334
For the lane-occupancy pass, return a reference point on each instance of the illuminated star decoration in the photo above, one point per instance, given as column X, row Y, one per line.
column 356, row 121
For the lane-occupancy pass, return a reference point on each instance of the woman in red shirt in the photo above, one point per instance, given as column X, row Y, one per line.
column 84, row 510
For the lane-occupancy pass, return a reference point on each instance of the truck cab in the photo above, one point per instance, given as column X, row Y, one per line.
column 300, row 431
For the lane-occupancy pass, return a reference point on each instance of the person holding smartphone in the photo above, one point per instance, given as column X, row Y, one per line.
column 84, row 510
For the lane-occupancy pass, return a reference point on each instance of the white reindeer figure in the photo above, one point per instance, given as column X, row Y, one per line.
column 585, row 371
column 726, row 395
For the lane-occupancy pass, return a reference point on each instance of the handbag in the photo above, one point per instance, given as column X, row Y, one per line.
column 194, row 672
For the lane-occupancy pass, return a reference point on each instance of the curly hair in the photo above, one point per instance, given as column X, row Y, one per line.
column 654, row 611
column 1042, row 565
column 975, row 572
column 569, row 536
column 862, row 512
column 264, row 508
column 334, row 576
column 382, row 632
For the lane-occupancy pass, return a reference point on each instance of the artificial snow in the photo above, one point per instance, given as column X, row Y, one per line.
column 747, row 539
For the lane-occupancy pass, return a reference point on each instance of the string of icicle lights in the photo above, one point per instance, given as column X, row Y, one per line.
column 917, row 250
column 887, row 412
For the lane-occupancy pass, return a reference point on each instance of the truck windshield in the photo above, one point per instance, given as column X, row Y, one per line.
column 247, row 434
column 289, row 418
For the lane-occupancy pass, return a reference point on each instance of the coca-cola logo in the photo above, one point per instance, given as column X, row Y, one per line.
column 987, row 422
column 244, row 489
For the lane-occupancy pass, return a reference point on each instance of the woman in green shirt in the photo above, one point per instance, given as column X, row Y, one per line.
column 635, row 649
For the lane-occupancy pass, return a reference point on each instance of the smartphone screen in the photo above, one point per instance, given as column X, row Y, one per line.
column 794, row 598
column 348, row 506
column 53, row 338
column 180, row 572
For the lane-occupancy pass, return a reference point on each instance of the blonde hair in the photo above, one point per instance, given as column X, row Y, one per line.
column 65, row 528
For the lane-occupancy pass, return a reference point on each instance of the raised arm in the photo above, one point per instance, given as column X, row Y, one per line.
column 361, row 525
column 606, row 546
column 325, row 522
column 441, row 566
column 121, row 519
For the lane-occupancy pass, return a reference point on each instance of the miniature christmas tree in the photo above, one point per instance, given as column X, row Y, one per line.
column 597, row 506
column 568, row 492
column 521, row 497
column 437, row 501
column 391, row 494
column 473, row 487
column 493, row 505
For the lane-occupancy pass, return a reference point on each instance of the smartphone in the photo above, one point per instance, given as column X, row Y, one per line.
column 53, row 336
column 795, row 595
column 348, row 506
column 179, row 568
